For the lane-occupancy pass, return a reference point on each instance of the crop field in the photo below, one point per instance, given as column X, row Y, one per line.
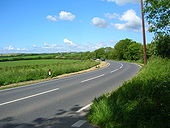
column 15, row 57
column 27, row 57
column 25, row 70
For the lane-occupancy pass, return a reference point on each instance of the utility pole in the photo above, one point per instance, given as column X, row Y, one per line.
column 143, row 32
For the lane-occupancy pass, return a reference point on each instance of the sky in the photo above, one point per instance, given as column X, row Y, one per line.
column 51, row 26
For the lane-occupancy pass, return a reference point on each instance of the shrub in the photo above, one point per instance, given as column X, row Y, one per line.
column 163, row 45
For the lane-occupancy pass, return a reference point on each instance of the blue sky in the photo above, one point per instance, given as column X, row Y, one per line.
column 47, row 26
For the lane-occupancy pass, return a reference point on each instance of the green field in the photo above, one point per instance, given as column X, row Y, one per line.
column 34, row 62
column 26, row 57
column 15, row 57
column 25, row 70
column 142, row 102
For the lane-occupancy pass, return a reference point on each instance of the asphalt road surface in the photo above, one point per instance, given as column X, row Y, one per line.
column 60, row 103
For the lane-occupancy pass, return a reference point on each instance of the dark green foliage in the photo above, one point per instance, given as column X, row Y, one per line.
column 133, row 52
column 158, row 14
column 124, row 50
column 105, row 53
column 142, row 102
column 110, row 53
column 121, row 48
column 128, row 50
column 163, row 45
column 151, row 49
column 87, row 55
column 100, row 53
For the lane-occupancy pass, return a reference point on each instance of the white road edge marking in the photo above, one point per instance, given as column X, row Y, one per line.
column 25, row 86
column 79, row 123
column 92, row 78
column 28, row 97
column 118, row 68
column 138, row 65
column 85, row 107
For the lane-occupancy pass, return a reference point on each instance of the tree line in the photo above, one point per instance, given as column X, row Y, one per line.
column 157, row 13
column 127, row 49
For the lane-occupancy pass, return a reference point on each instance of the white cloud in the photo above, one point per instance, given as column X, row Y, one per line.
column 21, row 49
column 69, row 42
column 34, row 46
column 63, row 15
column 111, row 15
column 99, row 45
column 133, row 22
column 121, row 2
column 46, row 44
column 11, row 48
column 50, row 46
column 52, row 18
column 47, row 48
column 98, row 22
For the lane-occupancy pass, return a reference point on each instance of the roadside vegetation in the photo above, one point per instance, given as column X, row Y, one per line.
column 142, row 102
column 26, row 70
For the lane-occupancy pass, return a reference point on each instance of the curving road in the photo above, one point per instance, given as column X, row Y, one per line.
column 60, row 103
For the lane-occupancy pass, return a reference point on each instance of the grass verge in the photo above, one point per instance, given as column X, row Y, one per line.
column 142, row 102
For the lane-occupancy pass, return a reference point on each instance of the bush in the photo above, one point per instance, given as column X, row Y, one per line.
column 163, row 45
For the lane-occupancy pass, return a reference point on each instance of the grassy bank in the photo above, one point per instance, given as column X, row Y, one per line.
column 142, row 102
column 19, row 71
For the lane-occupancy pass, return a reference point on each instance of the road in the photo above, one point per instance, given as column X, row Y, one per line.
column 60, row 103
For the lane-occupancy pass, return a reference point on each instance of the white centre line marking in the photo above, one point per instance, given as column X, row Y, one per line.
column 79, row 123
column 85, row 107
column 28, row 97
column 117, row 69
column 92, row 78
column 114, row 70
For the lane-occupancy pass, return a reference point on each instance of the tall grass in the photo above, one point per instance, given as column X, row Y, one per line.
column 142, row 102
column 19, row 71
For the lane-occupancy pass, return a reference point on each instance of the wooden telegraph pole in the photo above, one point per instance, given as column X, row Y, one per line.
column 143, row 32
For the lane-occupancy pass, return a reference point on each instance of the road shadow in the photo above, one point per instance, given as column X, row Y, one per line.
column 62, row 119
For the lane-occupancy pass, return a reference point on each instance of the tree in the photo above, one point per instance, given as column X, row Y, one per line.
column 151, row 49
column 162, row 45
column 88, row 55
column 134, row 52
column 121, row 48
column 158, row 14
column 100, row 53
